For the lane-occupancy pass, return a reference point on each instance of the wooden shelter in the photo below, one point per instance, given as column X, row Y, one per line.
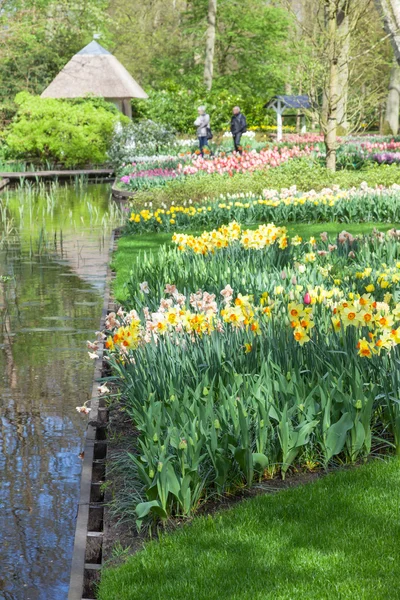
column 95, row 71
column 280, row 103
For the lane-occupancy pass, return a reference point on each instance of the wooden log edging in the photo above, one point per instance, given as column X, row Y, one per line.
column 87, row 554
column 118, row 194
column 60, row 174
column 4, row 183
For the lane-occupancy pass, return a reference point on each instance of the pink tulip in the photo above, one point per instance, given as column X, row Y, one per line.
column 307, row 298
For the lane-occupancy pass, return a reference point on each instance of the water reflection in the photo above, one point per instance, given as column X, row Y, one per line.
column 52, row 273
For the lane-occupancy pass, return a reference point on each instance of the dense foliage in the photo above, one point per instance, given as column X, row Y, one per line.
column 135, row 139
column 175, row 105
column 68, row 132
column 249, row 54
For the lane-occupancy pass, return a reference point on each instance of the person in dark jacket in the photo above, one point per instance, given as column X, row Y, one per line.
column 238, row 127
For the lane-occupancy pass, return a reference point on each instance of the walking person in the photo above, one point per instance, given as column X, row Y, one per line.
column 238, row 127
column 203, row 127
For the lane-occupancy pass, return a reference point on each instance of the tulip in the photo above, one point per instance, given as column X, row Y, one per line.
column 307, row 298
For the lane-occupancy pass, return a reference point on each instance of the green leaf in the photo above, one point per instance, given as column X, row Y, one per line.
column 144, row 508
column 260, row 460
column 336, row 436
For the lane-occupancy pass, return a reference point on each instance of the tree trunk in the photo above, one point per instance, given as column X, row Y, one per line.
column 210, row 44
column 343, row 73
column 324, row 110
column 391, row 122
column 390, row 12
column 381, row 118
column 332, row 88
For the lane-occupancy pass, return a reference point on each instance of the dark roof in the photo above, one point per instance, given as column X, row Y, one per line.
column 94, row 49
column 291, row 101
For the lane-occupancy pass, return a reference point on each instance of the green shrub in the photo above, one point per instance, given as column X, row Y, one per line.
column 69, row 132
column 304, row 173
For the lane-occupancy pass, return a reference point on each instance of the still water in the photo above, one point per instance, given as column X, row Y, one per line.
column 54, row 246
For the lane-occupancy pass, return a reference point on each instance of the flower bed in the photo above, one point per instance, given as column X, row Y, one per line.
column 383, row 146
column 354, row 153
column 247, row 162
column 160, row 171
column 148, row 172
column 148, row 178
column 244, row 353
column 387, row 158
column 305, row 138
column 362, row 204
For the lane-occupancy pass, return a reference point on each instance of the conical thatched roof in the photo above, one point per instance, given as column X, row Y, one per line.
column 94, row 71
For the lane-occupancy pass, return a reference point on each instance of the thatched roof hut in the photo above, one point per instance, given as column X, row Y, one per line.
column 97, row 72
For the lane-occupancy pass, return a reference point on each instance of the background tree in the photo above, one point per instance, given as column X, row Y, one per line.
column 250, row 45
column 169, row 43
column 37, row 38
column 210, row 44
column 168, row 56
column 344, row 71
column 254, row 50
column 148, row 38
column 390, row 13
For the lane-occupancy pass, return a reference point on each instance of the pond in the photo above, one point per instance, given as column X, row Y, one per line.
column 54, row 244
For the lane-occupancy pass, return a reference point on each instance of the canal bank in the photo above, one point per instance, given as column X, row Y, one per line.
column 54, row 249
column 87, row 557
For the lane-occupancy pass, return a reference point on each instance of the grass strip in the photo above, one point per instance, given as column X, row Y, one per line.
column 336, row 538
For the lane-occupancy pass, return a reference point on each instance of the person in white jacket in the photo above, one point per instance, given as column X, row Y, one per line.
column 202, row 123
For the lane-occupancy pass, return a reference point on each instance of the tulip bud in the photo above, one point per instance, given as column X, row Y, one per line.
column 283, row 275
column 307, row 298
column 294, row 280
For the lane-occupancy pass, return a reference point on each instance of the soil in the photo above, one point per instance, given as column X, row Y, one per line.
column 124, row 536
column 121, row 439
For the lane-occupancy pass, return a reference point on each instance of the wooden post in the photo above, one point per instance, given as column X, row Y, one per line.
column 279, row 112
column 127, row 107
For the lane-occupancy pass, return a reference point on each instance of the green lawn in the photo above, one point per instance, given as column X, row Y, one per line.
column 130, row 246
column 335, row 539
